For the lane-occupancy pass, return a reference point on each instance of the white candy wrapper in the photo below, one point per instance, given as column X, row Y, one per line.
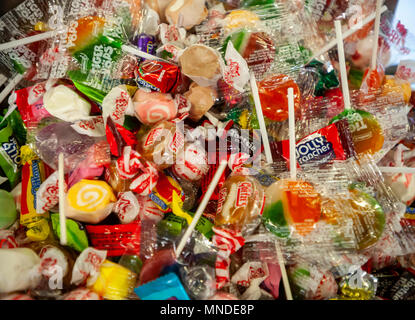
column 47, row 196
column 66, row 104
column 82, row 294
column 127, row 207
column 18, row 269
column 116, row 104
column 171, row 34
column 93, row 127
column 236, row 71
column 87, row 265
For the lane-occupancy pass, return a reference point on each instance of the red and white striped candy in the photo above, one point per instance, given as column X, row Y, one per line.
column 127, row 207
column 228, row 242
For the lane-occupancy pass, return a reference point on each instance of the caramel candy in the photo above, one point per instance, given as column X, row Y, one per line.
column 186, row 13
column 241, row 200
column 201, row 64
column 115, row 181
column 201, row 99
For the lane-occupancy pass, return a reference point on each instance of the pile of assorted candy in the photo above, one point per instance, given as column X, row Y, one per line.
column 119, row 120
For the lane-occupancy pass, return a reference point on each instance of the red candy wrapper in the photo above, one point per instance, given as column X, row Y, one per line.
column 158, row 76
column 333, row 142
column 118, row 137
column 144, row 174
column 228, row 242
column 116, row 239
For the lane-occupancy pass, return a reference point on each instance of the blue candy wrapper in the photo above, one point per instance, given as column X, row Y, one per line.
column 167, row 287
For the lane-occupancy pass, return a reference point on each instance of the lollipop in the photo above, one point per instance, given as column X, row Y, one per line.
column 366, row 131
column 291, row 205
column 366, row 213
column 257, row 48
column 273, row 95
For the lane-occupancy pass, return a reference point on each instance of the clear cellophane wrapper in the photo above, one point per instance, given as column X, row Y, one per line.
column 27, row 19
column 397, row 237
column 278, row 28
column 396, row 38
column 88, row 51
column 334, row 245
column 389, row 110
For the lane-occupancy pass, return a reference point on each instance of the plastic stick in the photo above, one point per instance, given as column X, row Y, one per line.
column 260, row 117
column 342, row 63
column 10, row 87
column 291, row 131
column 62, row 217
column 397, row 170
column 139, row 53
column 27, row 40
column 284, row 276
column 202, row 206
column 347, row 33
column 376, row 31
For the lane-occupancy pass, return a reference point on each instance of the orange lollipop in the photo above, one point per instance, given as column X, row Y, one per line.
column 273, row 95
column 291, row 204
column 85, row 31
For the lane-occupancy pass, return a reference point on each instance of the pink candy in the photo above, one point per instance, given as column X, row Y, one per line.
column 152, row 107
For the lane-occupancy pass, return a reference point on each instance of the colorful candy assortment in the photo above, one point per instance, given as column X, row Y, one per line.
column 139, row 160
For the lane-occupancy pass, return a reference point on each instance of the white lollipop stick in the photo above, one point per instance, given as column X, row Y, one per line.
column 342, row 63
column 10, row 87
column 347, row 33
column 260, row 117
column 397, row 170
column 139, row 53
column 27, row 40
column 284, row 276
column 202, row 206
column 376, row 30
column 62, row 217
column 291, row 130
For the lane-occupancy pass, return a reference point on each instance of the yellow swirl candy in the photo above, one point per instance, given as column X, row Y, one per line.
column 90, row 195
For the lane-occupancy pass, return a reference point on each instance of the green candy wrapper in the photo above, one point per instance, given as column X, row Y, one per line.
column 9, row 154
column 76, row 233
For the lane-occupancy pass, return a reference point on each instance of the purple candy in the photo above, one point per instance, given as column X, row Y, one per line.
column 146, row 43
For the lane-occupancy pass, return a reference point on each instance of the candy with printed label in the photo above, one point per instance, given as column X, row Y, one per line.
column 162, row 143
column 366, row 131
column 158, row 76
column 241, row 200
